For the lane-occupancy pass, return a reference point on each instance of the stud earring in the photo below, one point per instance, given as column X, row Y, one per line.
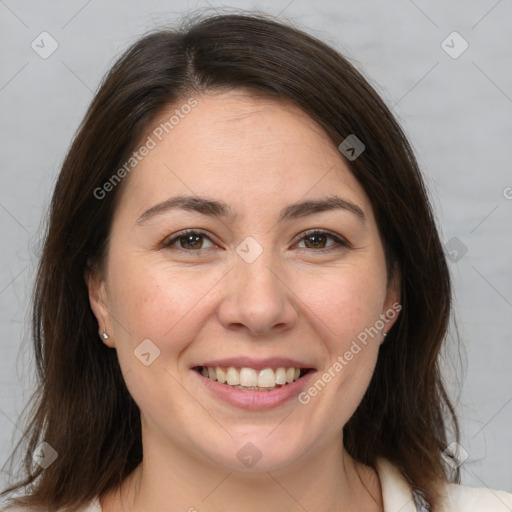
column 104, row 335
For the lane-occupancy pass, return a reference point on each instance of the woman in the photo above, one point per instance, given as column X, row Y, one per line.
column 242, row 295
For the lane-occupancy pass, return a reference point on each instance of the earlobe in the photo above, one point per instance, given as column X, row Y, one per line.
column 99, row 303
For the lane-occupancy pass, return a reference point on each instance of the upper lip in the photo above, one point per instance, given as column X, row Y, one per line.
column 256, row 364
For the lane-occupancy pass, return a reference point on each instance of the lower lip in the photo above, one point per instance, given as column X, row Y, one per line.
column 255, row 400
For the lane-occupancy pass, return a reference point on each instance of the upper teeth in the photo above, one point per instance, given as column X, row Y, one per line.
column 248, row 377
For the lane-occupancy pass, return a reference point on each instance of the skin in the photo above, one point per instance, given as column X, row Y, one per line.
column 295, row 300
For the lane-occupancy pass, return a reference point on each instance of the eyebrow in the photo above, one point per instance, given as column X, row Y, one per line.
column 220, row 209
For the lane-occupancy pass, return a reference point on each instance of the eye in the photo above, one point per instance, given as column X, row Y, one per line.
column 317, row 239
column 193, row 241
column 189, row 240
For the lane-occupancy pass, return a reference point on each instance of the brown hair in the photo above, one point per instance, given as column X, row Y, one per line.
column 82, row 407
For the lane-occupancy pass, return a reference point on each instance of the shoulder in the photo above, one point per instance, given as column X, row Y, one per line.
column 398, row 496
column 93, row 506
column 18, row 508
column 475, row 499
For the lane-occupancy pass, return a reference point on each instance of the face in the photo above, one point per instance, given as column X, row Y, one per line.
column 263, row 280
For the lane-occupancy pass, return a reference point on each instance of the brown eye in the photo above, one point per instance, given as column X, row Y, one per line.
column 318, row 240
column 315, row 241
column 191, row 241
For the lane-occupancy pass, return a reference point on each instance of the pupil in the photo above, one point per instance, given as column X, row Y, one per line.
column 316, row 237
column 188, row 240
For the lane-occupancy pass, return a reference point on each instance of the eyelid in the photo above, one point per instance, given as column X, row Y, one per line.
column 170, row 240
column 340, row 240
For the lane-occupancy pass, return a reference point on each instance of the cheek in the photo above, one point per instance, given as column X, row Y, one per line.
column 347, row 308
column 160, row 303
column 345, row 301
column 168, row 307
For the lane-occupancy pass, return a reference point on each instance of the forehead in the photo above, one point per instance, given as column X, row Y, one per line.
column 239, row 118
column 237, row 146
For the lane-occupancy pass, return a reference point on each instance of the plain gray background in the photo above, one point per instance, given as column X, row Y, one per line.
column 456, row 110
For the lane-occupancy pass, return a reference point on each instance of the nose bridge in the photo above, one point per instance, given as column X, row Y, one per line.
column 258, row 297
column 257, row 279
column 259, row 276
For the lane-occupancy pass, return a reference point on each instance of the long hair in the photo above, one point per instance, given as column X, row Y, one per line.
column 81, row 406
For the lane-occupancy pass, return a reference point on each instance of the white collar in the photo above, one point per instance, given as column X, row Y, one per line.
column 397, row 494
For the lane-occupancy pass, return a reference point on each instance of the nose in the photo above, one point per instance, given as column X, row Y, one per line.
column 258, row 298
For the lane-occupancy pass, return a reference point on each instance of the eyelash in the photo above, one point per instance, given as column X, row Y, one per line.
column 339, row 240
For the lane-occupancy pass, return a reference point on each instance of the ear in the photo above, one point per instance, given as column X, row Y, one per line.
column 392, row 307
column 99, row 301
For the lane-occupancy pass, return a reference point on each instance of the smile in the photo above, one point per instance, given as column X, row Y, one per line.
column 249, row 379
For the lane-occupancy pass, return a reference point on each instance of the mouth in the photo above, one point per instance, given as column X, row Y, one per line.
column 251, row 379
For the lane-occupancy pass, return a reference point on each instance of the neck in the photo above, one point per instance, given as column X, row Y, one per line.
column 326, row 479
